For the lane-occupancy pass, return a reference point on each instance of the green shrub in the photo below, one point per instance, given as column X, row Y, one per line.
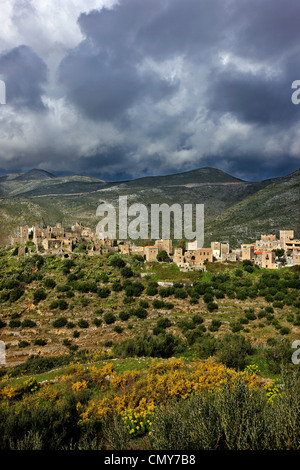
column 15, row 294
column 211, row 306
column 40, row 342
column 208, row 297
column 233, row 350
column 164, row 323
column 166, row 291
column 62, row 304
column 162, row 256
column 117, row 286
column 109, row 318
column 152, row 288
column 285, row 330
column 49, row 283
column 233, row 417
column 103, row 292
column 215, row 325
column 180, row 293
column 162, row 345
column 278, row 354
column 278, row 304
column 139, row 312
column 103, row 278
column 126, row 272
column 118, row 329
column 116, row 261
column 54, row 304
column 39, row 295
column 236, row 326
column 83, row 323
column 197, row 319
column 134, row 290
column 14, row 323
column 124, row 315
column 23, row 344
column 63, row 288
column 27, row 323
column 250, row 315
column 158, row 304
column 60, row 322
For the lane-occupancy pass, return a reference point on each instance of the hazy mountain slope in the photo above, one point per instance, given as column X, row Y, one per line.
column 35, row 174
column 198, row 176
column 234, row 210
column 57, row 185
column 273, row 208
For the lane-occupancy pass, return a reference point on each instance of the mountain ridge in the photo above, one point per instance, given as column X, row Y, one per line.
column 235, row 210
column 35, row 174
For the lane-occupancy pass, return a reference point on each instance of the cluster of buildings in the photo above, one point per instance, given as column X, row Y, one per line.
column 262, row 252
column 58, row 240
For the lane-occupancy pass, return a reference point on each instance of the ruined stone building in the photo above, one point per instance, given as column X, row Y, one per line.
column 192, row 259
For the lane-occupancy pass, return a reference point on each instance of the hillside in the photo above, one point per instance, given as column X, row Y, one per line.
column 272, row 207
column 203, row 175
column 34, row 174
column 234, row 209
column 101, row 354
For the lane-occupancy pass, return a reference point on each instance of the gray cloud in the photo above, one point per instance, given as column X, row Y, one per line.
column 102, row 76
column 157, row 86
column 252, row 98
column 25, row 75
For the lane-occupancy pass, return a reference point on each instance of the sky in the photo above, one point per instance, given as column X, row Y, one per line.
column 130, row 88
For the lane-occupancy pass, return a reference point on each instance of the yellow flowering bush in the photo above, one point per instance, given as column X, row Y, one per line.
column 46, row 393
column 252, row 369
column 124, row 380
column 30, row 385
column 96, row 410
column 101, row 378
column 131, row 395
column 80, row 385
column 8, row 392
column 272, row 391
column 160, row 367
column 138, row 422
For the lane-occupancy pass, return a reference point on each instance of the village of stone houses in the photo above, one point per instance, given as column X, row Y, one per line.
column 103, row 339
column 60, row 241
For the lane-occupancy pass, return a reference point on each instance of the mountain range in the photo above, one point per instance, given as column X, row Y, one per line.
column 235, row 210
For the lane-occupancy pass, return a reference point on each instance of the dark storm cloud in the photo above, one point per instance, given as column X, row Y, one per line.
column 169, row 85
column 252, row 98
column 25, row 75
column 249, row 166
column 192, row 28
column 101, row 76
column 108, row 163
column 104, row 87
column 265, row 29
